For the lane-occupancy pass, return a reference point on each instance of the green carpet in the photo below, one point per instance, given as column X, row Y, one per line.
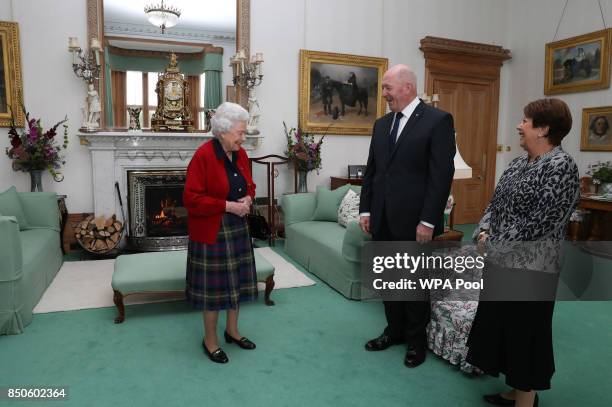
column 309, row 353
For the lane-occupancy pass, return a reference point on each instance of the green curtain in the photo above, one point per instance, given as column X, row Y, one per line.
column 108, row 89
column 212, row 89
column 145, row 64
column 213, row 65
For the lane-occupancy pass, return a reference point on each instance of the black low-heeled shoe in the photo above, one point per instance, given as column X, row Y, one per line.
column 498, row 400
column 217, row 356
column 243, row 342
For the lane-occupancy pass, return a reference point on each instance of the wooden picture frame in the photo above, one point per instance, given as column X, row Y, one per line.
column 11, row 87
column 596, row 129
column 338, row 80
column 578, row 64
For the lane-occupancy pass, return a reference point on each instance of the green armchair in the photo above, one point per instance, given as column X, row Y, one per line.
column 30, row 249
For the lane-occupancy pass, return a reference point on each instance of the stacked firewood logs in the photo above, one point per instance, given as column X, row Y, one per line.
column 98, row 235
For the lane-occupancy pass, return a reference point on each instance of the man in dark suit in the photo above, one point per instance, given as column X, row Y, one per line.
column 405, row 188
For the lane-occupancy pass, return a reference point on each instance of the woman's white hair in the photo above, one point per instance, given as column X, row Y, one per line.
column 226, row 116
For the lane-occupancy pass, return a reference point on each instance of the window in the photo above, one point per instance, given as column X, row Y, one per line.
column 133, row 93
column 151, row 95
column 201, row 109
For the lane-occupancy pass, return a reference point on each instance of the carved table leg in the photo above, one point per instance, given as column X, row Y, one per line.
column 269, row 286
column 118, row 299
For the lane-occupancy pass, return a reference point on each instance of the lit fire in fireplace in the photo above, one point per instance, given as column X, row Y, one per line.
column 167, row 214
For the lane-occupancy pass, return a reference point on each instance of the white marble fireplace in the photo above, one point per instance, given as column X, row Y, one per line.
column 113, row 154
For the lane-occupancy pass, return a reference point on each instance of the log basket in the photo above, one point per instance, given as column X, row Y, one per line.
column 99, row 235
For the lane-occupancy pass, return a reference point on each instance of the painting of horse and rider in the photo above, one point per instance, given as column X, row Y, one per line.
column 578, row 64
column 341, row 91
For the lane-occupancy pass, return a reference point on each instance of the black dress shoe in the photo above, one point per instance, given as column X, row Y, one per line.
column 383, row 342
column 243, row 342
column 498, row 400
column 414, row 356
column 217, row 356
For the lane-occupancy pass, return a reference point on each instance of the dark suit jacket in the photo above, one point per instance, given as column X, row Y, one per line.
column 412, row 183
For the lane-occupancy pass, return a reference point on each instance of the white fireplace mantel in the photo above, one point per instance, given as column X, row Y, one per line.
column 115, row 153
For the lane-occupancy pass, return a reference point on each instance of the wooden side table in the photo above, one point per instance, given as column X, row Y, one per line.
column 600, row 217
column 337, row 182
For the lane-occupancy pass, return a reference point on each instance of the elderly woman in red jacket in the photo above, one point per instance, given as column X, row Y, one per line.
column 220, row 261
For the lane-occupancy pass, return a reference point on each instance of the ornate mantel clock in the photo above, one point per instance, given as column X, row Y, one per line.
column 173, row 112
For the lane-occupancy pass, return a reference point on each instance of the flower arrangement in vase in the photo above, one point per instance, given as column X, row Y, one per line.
column 34, row 150
column 305, row 153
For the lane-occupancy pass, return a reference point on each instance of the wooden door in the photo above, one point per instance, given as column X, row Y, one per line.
column 466, row 78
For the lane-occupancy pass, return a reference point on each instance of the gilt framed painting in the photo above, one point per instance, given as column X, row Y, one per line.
column 11, row 88
column 340, row 93
column 578, row 64
column 596, row 132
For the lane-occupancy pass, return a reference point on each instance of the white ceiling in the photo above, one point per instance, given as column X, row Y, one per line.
column 200, row 15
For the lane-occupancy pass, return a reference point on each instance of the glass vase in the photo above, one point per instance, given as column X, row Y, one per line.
column 302, row 181
column 36, row 180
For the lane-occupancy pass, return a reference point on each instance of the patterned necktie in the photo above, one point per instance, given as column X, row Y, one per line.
column 393, row 134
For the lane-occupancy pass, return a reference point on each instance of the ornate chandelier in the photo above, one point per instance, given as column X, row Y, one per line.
column 162, row 16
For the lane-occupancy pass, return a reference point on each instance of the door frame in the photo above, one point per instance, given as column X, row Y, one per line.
column 447, row 58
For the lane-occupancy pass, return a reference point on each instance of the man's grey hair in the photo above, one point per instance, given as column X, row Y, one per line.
column 226, row 116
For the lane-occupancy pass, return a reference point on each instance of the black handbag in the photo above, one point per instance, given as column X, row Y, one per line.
column 258, row 225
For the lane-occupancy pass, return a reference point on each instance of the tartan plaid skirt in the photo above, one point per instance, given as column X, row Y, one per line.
column 222, row 274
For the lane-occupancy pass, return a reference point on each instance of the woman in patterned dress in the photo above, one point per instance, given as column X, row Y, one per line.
column 220, row 261
column 530, row 208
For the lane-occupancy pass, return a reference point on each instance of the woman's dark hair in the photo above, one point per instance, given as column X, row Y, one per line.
column 592, row 125
column 553, row 113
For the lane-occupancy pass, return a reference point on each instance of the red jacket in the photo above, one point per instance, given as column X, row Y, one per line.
column 206, row 189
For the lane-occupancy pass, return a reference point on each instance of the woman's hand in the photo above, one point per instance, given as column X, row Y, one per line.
column 237, row 208
column 247, row 200
column 482, row 237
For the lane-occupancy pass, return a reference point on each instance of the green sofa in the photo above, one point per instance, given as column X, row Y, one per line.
column 325, row 248
column 30, row 251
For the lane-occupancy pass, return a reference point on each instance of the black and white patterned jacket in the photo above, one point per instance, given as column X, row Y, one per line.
column 530, row 209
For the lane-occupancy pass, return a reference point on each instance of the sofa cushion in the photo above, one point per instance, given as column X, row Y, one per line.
column 322, row 233
column 10, row 205
column 328, row 203
column 349, row 208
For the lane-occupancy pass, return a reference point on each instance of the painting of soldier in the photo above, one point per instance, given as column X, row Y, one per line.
column 341, row 91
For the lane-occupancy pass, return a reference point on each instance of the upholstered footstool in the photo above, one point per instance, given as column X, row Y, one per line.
column 164, row 272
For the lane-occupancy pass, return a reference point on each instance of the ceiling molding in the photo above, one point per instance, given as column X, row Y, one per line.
column 126, row 29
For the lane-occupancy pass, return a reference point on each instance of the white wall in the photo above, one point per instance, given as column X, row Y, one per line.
column 529, row 33
column 380, row 28
column 51, row 90
column 279, row 29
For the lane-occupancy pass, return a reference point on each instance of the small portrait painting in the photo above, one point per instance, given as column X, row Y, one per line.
column 596, row 131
